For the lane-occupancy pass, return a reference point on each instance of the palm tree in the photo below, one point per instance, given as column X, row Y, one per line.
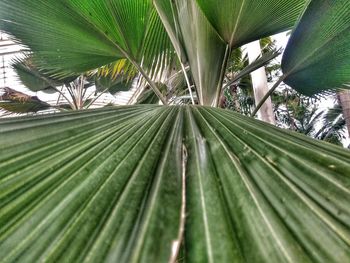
column 73, row 90
column 240, row 95
column 334, row 126
column 344, row 101
column 302, row 114
column 149, row 183
column 260, row 85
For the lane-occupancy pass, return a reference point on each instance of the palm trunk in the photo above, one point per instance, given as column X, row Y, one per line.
column 260, row 85
column 344, row 100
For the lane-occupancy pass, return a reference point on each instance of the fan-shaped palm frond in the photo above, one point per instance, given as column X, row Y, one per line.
column 76, row 36
column 315, row 61
column 197, row 26
column 130, row 184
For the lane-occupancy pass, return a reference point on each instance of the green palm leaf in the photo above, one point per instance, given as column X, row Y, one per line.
column 33, row 105
column 36, row 80
column 242, row 21
column 17, row 102
column 65, row 41
column 74, row 36
column 318, row 54
column 258, row 63
column 200, row 37
column 105, row 185
column 198, row 27
column 32, row 78
column 107, row 83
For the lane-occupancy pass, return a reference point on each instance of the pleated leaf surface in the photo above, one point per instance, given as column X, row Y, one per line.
column 317, row 57
column 107, row 186
column 242, row 21
column 73, row 36
column 204, row 33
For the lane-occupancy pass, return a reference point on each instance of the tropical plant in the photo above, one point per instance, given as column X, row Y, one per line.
column 334, row 126
column 344, row 103
column 147, row 183
column 19, row 102
column 239, row 95
column 72, row 91
column 302, row 114
column 260, row 85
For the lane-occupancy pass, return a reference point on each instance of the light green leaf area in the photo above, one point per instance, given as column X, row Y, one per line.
column 317, row 57
column 59, row 32
column 168, row 15
column 106, row 185
column 73, row 36
column 148, row 97
column 242, row 21
column 204, row 33
column 205, row 51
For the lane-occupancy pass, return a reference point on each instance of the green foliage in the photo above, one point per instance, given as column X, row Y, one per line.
column 105, row 185
column 111, row 85
column 234, row 22
column 73, row 36
column 12, row 101
column 318, row 53
column 133, row 184
column 76, row 86
column 148, row 97
column 303, row 114
column 30, row 106
column 204, row 25
column 35, row 79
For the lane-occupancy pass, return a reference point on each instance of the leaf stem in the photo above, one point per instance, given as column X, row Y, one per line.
column 98, row 96
column 222, row 76
column 268, row 94
column 187, row 82
column 64, row 96
column 177, row 243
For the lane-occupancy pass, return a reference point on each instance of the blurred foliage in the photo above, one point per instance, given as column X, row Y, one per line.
column 293, row 111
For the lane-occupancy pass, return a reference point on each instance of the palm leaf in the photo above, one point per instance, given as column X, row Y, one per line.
column 318, row 54
column 199, row 36
column 108, row 185
column 147, row 97
column 17, row 102
column 37, row 80
column 107, row 83
column 121, row 67
column 74, row 36
column 258, row 63
column 33, row 105
column 59, row 34
column 168, row 15
column 197, row 26
column 234, row 22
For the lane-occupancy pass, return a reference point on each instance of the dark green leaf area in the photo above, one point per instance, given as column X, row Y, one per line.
column 77, row 206
column 105, row 186
column 278, row 192
column 318, row 53
column 112, row 85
